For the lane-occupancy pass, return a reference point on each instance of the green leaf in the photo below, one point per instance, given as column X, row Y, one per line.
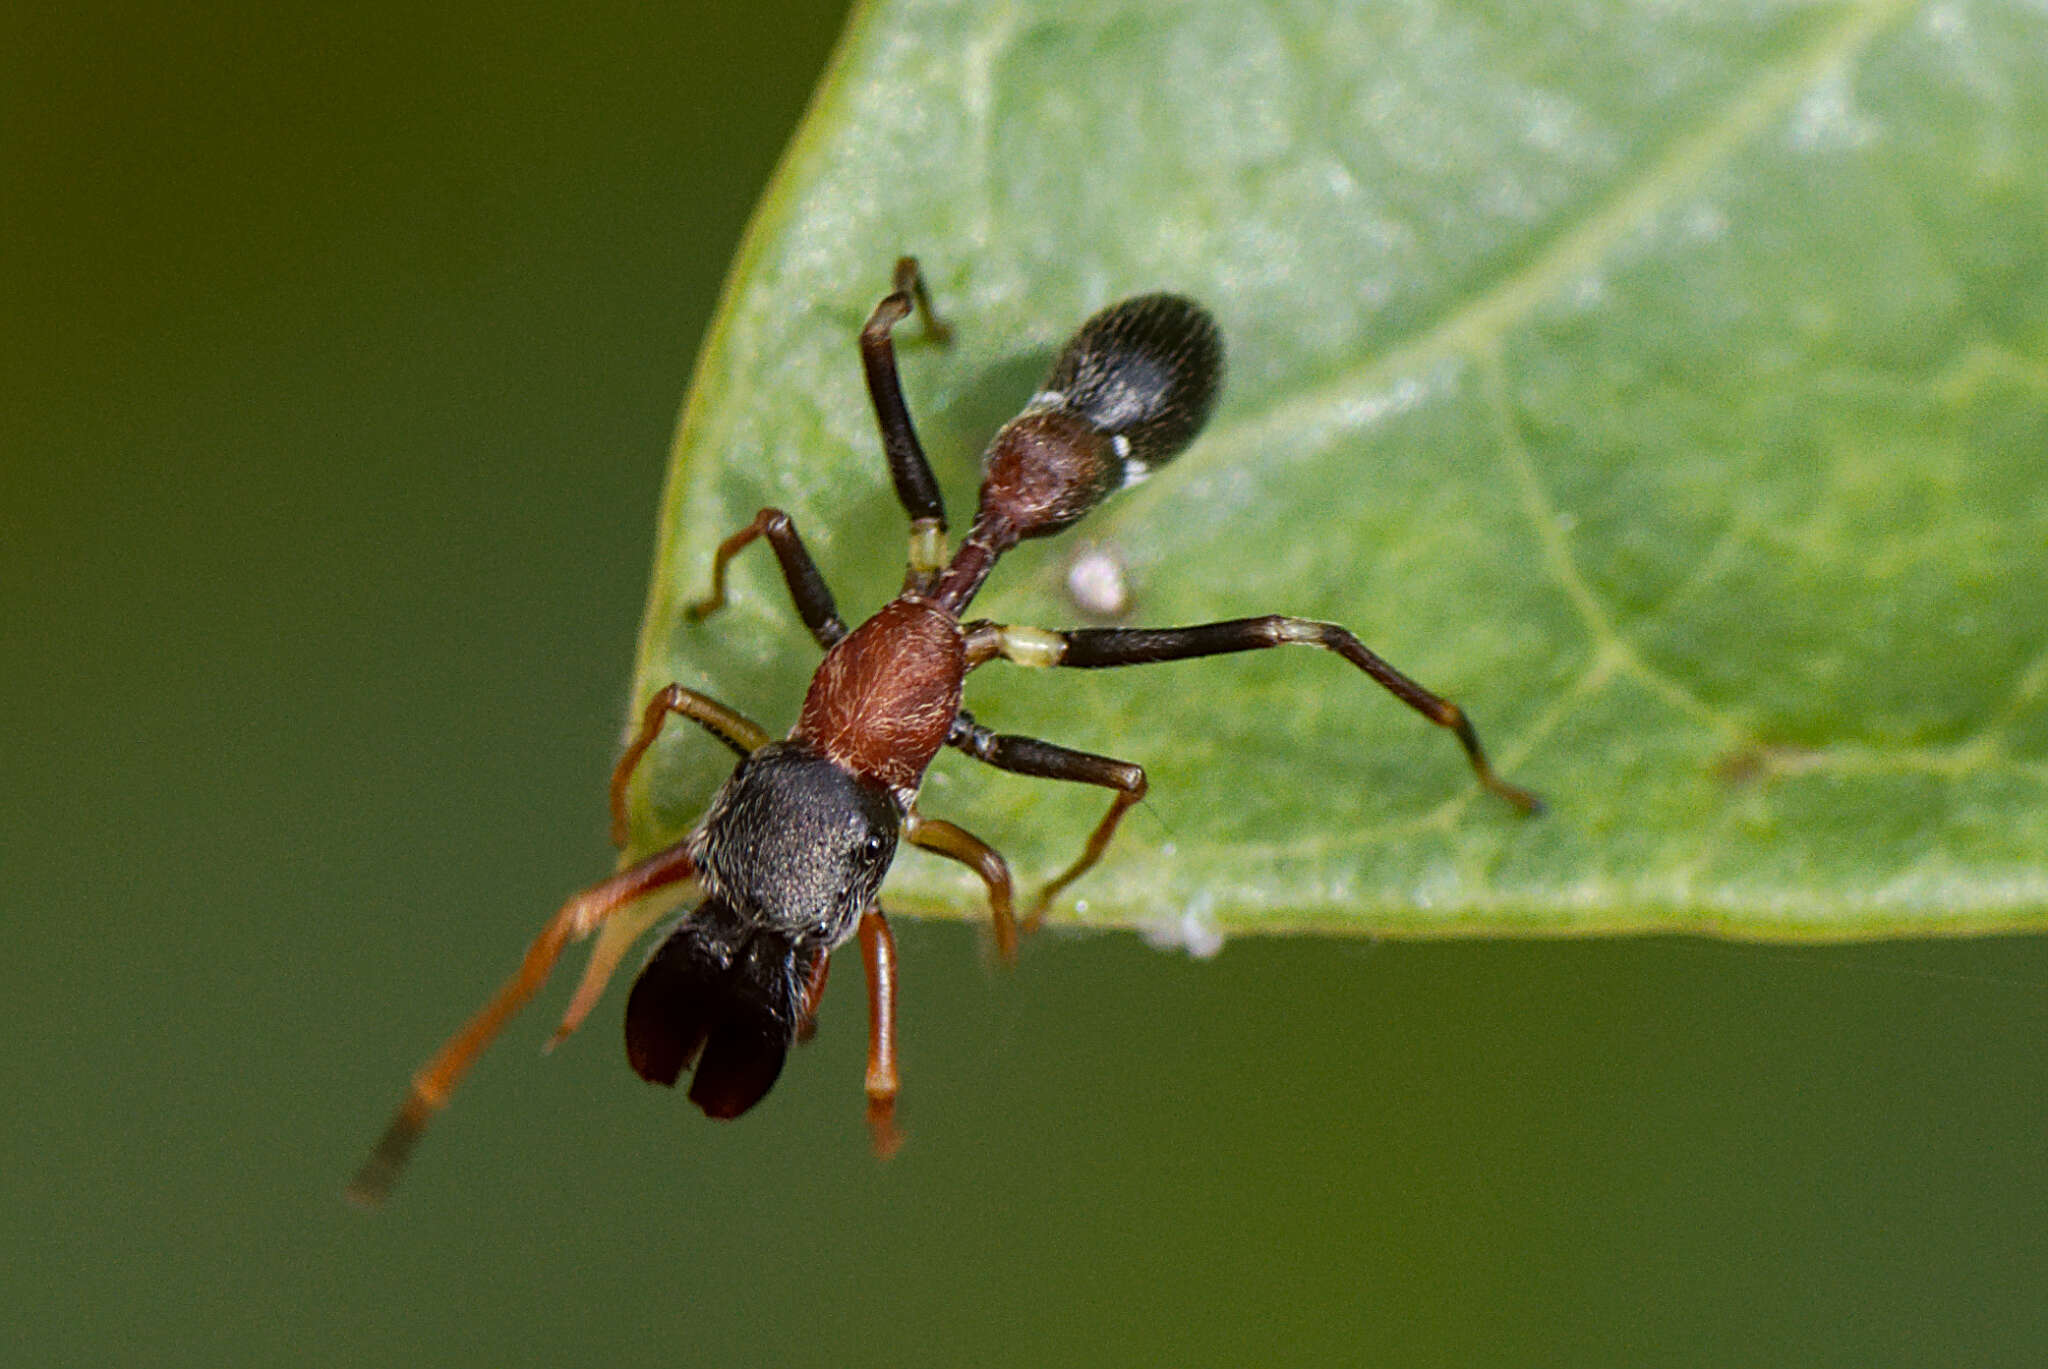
column 1668, row 384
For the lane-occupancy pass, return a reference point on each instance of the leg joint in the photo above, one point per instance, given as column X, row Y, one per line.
column 1031, row 646
column 892, row 310
column 1281, row 631
column 927, row 546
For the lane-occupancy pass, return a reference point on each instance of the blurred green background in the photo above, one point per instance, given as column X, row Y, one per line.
column 340, row 363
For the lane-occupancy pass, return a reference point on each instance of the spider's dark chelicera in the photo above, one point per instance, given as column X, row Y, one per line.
column 787, row 861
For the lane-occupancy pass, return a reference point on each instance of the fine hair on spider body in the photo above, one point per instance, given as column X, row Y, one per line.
column 788, row 859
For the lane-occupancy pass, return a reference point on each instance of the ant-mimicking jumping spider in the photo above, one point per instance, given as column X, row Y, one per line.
column 791, row 852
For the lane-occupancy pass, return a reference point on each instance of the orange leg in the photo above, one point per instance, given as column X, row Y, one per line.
column 936, row 834
column 814, row 993
column 1130, row 790
column 436, row 1079
column 740, row 733
column 878, row 954
column 614, row 939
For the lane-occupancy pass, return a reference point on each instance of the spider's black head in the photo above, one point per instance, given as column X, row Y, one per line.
column 790, row 854
column 797, row 843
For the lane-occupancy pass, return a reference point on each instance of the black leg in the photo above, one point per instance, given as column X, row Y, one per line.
column 1099, row 648
column 807, row 588
column 814, row 994
column 1046, row 761
column 915, row 487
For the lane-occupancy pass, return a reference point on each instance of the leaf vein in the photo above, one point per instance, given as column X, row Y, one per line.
column 1488, row 316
